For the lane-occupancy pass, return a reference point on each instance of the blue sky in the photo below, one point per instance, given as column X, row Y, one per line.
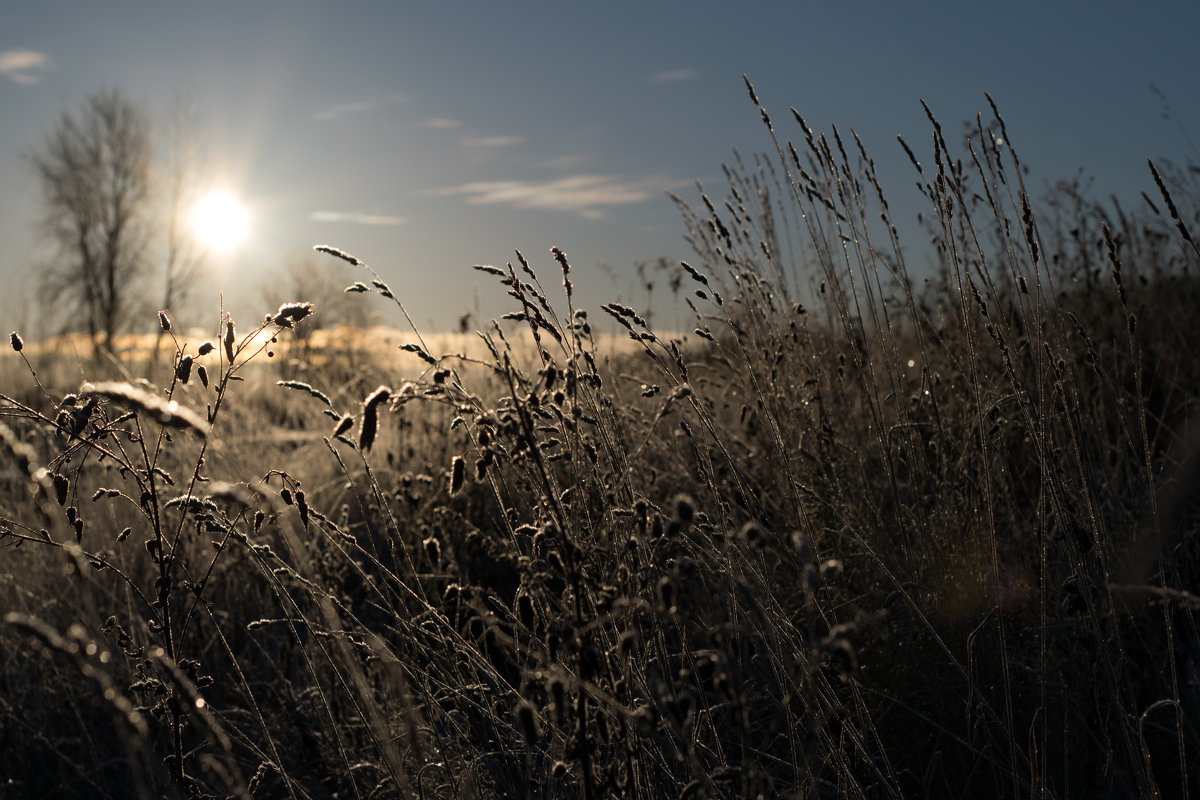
column 427, row 137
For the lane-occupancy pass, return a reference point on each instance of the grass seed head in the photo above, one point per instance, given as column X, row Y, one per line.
column 336, row 253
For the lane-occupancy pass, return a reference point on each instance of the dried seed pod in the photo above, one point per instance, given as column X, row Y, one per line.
column 183, row 370
column 666, row 594
column 558, row 691
column 458, row 470
column 831, row 570
column 525, row 610
column 60, row 489
column 228, row 339
column 528, row 722
column 754, row 534
column 685, row 508
column 433, row 550
column 290, row 313
column 812, row 578
column 370, row 417
column 302, row 507
column 801, row 544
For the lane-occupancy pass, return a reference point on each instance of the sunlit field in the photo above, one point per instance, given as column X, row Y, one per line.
column 337, row 347
column 889, row 520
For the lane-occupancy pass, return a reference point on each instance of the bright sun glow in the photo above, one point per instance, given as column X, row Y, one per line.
column 220, row 221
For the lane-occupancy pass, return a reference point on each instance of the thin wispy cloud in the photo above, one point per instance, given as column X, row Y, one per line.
column 356, row 107
column 356, row 218
column 586, row 195
column 23, row 66
column 442, row 122
column 673, row 75
column 564, row 162
column 488, row 142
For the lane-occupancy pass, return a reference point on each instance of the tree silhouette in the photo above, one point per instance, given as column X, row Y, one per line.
column 95, row 173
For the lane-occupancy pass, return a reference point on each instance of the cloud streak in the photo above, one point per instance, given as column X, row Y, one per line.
column 22, row 66
column 565, row 162
column 338, row 110
column 673, row 75
column 586, row 195
column 441, row 122
column 355, row 218
column 487, row 142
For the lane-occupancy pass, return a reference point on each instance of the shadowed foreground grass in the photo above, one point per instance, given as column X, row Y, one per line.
column 861, row 535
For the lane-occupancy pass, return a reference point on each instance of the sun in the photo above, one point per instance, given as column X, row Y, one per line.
column 220, row 221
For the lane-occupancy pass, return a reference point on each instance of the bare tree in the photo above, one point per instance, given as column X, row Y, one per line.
column 95, row 171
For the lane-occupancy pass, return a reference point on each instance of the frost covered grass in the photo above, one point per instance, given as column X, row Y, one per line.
column 866, row 531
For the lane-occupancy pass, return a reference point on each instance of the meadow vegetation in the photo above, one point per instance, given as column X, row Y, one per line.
column 872, row 529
